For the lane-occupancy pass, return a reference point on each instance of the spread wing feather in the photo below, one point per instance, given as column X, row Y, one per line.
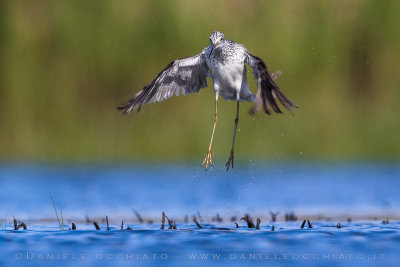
column 267, row 90
column 185, row 76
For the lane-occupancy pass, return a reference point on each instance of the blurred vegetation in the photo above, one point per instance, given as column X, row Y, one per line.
column 66, row 65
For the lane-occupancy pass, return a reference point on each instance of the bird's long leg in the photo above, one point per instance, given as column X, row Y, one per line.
column 207, row 160
column 230, row 160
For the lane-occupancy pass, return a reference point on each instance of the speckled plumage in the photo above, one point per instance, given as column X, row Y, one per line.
column 226, row 64
column 225, row 61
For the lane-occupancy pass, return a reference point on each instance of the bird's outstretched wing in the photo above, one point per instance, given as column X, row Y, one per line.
column 186, row 76
column 267, row 90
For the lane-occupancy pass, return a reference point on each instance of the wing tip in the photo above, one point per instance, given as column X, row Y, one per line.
column 128, row 107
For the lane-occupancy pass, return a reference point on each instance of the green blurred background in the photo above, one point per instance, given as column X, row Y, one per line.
column 66, row 65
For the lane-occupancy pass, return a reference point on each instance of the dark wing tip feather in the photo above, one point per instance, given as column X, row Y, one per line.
column 143, row 96
column 127, row 108
column 269, row 91
column 269, row 87
column 132, row 103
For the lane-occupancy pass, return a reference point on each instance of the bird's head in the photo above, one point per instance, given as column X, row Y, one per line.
column 215, row 38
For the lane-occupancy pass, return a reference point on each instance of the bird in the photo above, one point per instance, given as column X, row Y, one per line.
column 224, row 61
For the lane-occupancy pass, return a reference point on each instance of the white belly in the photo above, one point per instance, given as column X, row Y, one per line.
column 230, row 81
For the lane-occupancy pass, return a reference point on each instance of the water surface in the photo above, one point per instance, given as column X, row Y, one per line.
column 324, row 193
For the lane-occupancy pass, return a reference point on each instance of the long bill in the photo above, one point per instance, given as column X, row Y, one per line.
column 212, row 49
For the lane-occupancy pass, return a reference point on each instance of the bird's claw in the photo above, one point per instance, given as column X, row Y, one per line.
column 207, row 160
column 230, row 161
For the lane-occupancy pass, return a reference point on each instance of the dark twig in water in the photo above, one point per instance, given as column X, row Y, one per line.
column 273, row 216
column 304, row 223
column 55, row 210
column 249, row 221
column 122, row 225
column 196, row 222
column 163, row 220
column 23, row 225
column 17, row 226
column 73, row 226
column 237, row 225
column 108, row 227
column 62, row 220
column 338, row 225
column 386, row 221
column 273, row 228
column 172, row 224
column 258, row 223
column 140, row 219
column 128, row 228
column 169, row 222
column 96, row 225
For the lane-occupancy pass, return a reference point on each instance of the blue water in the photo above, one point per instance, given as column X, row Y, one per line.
column 324, row 193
